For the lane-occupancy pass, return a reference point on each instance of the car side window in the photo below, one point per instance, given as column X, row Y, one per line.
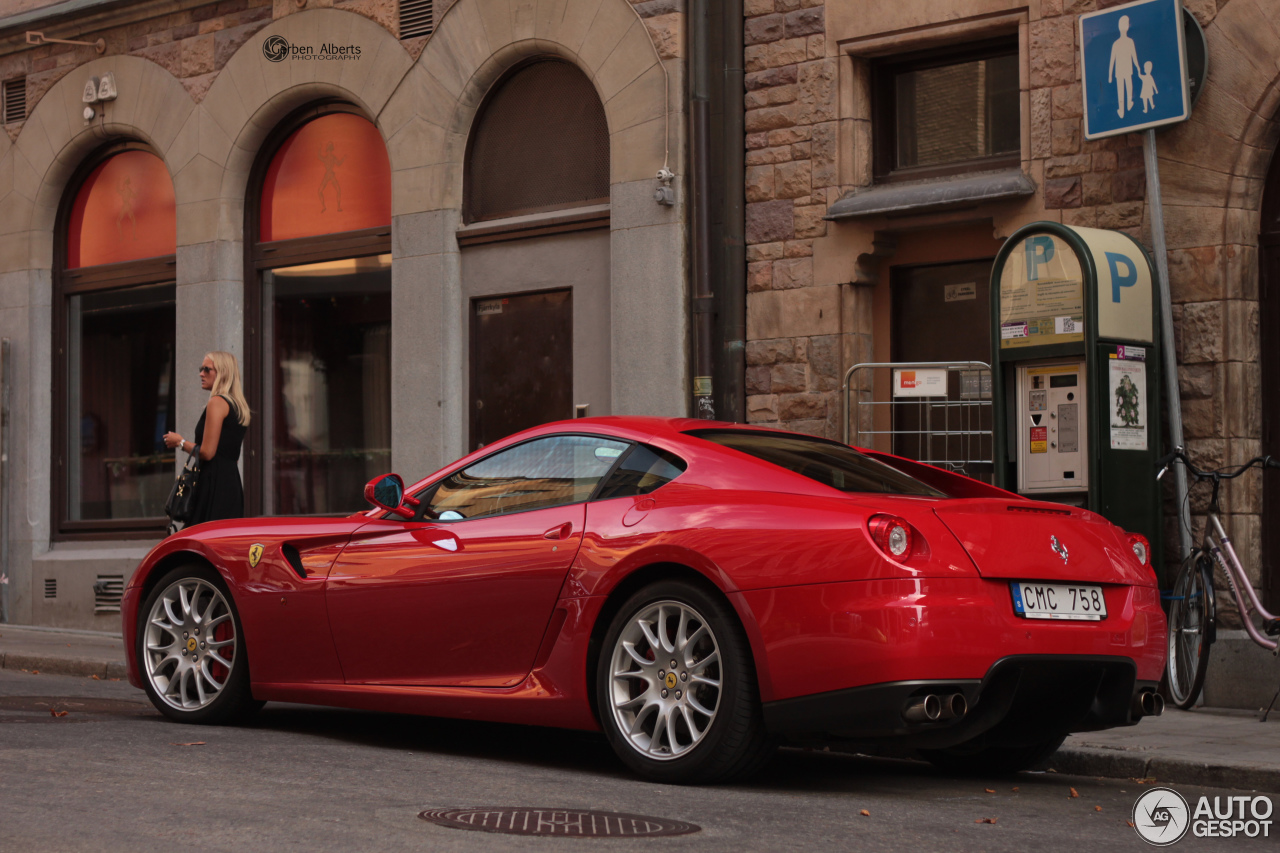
column 641, row 471
column 545, row 472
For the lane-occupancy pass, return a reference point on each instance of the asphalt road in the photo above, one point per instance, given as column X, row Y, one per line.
column 112, row 774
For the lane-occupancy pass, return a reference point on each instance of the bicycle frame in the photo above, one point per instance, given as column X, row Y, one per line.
column 1225, row 556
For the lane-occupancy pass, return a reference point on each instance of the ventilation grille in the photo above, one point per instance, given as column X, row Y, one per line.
column 15, row 100
column 417, row 18
column 50, row 587
column 1040, row 509
column 107, row 591
column 541, row 143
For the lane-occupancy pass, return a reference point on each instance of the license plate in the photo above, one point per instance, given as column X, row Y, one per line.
column 1033, row 600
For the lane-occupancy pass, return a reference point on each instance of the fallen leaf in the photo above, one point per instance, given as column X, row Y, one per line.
column 1097, row 808
column 1074, row 793
column 95, row 678
column 865, row 813
column 190, row 743
column 1015, row 787
column 986, row 820
column 35, row 672
column 1129, row 822
column 990, row 790
column 54, row 713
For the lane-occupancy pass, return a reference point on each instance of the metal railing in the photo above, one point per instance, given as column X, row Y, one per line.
column 953, row 431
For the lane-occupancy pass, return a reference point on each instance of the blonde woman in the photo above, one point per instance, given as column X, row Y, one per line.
column 219, row 434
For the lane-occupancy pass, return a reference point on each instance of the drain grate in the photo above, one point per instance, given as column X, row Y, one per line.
column 568, row 823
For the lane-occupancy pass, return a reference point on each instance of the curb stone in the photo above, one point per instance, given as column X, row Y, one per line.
column 62, row 666
column 1118, row 765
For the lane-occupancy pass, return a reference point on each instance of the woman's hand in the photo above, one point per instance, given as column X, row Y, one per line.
column 172, row 440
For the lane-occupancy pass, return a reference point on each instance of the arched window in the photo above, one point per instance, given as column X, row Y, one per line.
column 540, row 143
column 114, row 372
column 319, row 315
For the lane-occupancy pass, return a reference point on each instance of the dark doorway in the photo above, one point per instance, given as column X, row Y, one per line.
column 1269, row 297
column 942, row 313
column 521, row 363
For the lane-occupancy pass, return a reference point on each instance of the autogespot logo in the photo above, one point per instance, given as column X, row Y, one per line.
column 1162, row 817
column 278, row 49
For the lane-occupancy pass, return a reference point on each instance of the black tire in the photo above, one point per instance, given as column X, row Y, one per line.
column 993, row 760
column 1191, row 627
column 733, row 744
column 234, row 700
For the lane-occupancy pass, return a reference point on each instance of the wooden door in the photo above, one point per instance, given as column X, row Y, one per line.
column 521, row 363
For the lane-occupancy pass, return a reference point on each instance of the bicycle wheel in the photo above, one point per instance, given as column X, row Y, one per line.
column 1190, row 619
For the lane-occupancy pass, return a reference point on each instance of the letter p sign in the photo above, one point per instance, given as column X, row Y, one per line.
column 1039, row 251
column 1119, row 279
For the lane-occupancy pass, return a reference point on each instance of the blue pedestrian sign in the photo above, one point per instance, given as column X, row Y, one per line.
column 1133, row 68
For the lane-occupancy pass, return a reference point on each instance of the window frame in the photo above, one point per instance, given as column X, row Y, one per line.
column 262, row 256
column 72, row 282
column 884, row 109
column 424, row 494
column 546, row 219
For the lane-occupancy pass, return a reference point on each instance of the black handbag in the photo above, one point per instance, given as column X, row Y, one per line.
column 182, row 500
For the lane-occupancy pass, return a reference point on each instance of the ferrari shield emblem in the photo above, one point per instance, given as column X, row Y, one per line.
column 255, row 554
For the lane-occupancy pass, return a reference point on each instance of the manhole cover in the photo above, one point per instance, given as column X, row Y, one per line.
column 569, row 823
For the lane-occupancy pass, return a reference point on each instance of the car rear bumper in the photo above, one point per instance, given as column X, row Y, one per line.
column 823, row 638
column 1021, row 700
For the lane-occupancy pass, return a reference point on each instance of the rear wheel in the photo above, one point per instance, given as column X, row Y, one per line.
column 676, row 688
column 1190, row 617
column 993, row 760
column 191, row 649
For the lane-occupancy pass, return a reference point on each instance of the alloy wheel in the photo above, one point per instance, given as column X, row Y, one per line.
column 190, row 644
column 666, row 680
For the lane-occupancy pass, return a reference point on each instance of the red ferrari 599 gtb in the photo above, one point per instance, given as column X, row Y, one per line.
column 700, row 591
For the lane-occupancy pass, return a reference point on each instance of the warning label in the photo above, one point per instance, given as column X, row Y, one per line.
column 1039, row 439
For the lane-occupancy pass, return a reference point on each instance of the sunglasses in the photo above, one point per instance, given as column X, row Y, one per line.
column 204, row 370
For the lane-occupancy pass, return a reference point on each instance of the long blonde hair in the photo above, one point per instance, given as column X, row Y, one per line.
column 227, row 383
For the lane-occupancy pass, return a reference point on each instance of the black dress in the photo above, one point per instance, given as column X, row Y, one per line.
column 219, row 493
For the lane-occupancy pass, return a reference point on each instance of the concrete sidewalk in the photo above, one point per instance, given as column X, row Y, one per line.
column 1214, row 747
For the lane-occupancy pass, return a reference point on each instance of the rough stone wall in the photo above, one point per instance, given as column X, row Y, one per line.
column 791, row 179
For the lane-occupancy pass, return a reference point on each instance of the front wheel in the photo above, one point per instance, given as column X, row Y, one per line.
column 191, row 649
column 676, row 688
column 1191, row 620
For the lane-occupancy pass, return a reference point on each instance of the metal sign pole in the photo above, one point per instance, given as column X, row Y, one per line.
column 4, row 480
column 1166, row 329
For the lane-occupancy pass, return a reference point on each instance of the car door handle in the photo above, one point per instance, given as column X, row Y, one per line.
column 560, row 532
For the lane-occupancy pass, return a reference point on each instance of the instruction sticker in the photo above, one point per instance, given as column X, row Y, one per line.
column 1128, row 381
column 1039, row 439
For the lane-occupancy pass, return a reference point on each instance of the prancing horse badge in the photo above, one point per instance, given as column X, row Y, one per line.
column 255, row 554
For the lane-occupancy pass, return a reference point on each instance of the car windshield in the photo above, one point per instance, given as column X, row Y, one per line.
column 835, row 465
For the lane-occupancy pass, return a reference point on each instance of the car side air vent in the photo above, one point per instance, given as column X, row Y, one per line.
column 295, row 559
column 50, row 587
column 107, row 592
column 1040, row 510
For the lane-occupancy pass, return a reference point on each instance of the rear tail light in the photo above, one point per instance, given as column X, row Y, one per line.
column 1141, row 549
column 895, row 537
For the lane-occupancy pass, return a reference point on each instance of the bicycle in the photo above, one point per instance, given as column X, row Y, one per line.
column 1192, row 601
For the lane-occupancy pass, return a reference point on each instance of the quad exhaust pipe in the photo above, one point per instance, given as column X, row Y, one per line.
column 934, row 707
column 1148, row 704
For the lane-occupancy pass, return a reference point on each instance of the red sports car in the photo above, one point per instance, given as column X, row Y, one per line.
column 700, row 591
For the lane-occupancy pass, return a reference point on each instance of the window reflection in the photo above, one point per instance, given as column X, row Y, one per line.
column 328, row 405
column 120, row 402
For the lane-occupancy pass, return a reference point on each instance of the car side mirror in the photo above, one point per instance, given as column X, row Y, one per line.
column 387, row 492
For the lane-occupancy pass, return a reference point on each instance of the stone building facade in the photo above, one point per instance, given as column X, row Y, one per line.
column 834, row 233
column 207, row 96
